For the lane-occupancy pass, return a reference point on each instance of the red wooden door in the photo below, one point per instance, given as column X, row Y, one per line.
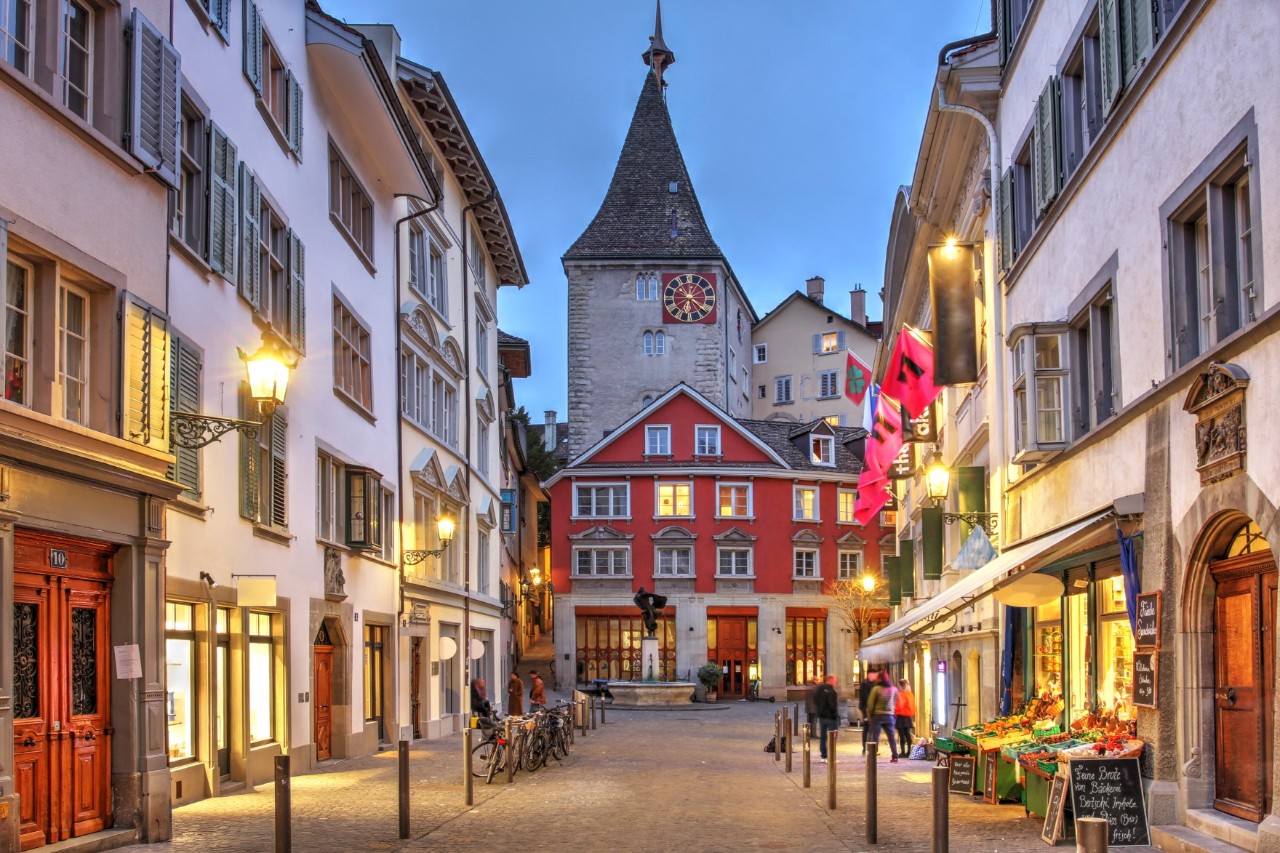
column 322, row 702
column 732, row 653
column 62, row 723
column 1244, row 685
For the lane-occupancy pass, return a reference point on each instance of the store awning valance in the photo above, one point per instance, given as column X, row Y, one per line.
column 887, row 644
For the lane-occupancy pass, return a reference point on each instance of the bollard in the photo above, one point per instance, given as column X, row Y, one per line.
column 404, row 788
column 284, row 830
column 510, row 752
column 786, row 731
column 831, row 770
column 592, row 700
column 582, row 717
column 601, row 709
column 872, row 748
column 804, row 747
column 795, row 718
column 777, row 735
column 1092, row 834
column 468, row 789
column 941, row 803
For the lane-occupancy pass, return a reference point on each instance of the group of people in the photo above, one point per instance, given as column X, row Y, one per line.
column 480, row 704
column 884, row 706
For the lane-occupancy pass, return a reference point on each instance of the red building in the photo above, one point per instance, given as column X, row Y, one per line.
column 742, row 525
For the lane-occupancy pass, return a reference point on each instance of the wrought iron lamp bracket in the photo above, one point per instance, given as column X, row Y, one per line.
column 988, row 521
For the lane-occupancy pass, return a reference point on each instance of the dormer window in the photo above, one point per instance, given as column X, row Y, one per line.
column 707, row 440
column 657, row 440
column 822, row 450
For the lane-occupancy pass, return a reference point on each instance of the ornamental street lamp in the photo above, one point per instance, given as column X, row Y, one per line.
column 444, row 529
column 268, row 370
column 937, row 479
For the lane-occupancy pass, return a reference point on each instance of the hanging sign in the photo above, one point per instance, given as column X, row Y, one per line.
column 903, row 466
column 1145, row 666
column 924, row 427
column 1146, row 630
column 1111, row 788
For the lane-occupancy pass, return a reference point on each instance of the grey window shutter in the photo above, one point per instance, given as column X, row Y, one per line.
column 250, row 227
column 145, row 374
column 1109, row 47
column 817, row 344
column 155, row 99
column 1137, row 34
column 1002, row 29
column 279, row 425
column 250, row 479
column 222, row 203
column 1004, row 204
column 220, row 17
column 297, row 293
column 4, row 242
column 184, row 378
column 293, row 118
column 253, row 45
column 839, row 340
column 1045, row 154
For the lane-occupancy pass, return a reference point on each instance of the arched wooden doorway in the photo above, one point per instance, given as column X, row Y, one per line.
column 322, row 699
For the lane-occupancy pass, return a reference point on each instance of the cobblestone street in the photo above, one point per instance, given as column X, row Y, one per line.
column 693, row 779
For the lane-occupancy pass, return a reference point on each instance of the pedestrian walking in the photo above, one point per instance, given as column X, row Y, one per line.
column 869, row 680
column 515, row 695
column 904, row 711
column 811, row 713
column 537, row 692
column 826, row 705
column 880, row 705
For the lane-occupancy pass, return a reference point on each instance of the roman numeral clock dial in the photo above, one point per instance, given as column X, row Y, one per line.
column 689, row 298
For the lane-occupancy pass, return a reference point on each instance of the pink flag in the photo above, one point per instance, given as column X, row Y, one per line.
column 886, row 434
column 871, row 496
column 857, row 378
column 910, row 374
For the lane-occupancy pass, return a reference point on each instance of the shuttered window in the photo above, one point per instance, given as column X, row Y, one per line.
column 189, row 206
column 277, row 87
column 155, row 100
column 185, row 372
column 1004, row 207
column 263, row 470
column 146, row 375
column 222, row 203
column 272, row 264
column 1126, row 33
column 250, row 278
column 1047, row 149
column 219, row 15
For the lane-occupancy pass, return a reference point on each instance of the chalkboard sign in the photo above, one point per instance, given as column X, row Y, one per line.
column 1146, row 631
column 1111, row 788
column 989, row 767
column 1144, row 679
column 961, row 780
column 1053, row 816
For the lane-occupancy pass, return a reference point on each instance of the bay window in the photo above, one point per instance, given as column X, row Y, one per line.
column 1040, row 376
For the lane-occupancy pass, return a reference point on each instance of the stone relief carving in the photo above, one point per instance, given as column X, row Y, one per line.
column 335, row 582
column 1217, row 399
column 1192, row 767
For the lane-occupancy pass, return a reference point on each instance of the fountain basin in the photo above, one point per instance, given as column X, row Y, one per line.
column 651, row 693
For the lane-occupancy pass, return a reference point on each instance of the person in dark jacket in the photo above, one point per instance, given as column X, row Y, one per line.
column 864, row 692
column 480, row 699
column 826, row 705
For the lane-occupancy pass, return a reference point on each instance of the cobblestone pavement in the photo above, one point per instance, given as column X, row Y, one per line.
column 694, row 779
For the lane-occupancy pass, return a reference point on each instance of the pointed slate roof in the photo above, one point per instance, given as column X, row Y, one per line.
column 634, row 221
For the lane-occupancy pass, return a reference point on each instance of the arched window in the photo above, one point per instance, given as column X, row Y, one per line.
column 653, row 287
column 659, row 342
column 647, row 401
column 640, row 286
column 648, row 343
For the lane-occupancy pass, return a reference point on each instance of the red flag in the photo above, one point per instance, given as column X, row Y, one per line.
column 871, row 496
column 910, row 374
column 886, row 434
column 857, row 378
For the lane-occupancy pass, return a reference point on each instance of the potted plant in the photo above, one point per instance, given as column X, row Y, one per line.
column 709, row 674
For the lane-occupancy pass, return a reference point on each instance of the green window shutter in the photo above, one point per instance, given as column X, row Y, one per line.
column 891, row 570
column 222, row 203
column 279, row 425
column 184, row 378
column 1046, row 151
column 253, row 45
column 1004, row 204
column 297, row 293
column 250, row 265
column 155, row 99
column 146, row 375
column 1109, row 52
column 1137, row 34
column 1002, row 29
column 971, row 486
column 250, row 479
column 220, row 17
column 932, row 542
column 293, row 116
column 907, row 566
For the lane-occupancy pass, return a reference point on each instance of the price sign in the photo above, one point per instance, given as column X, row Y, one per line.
column 1053, row 816
column 1145, row 666
column 961, row 781
column 1111, row 788
column 1146, row 631
column 989, row 768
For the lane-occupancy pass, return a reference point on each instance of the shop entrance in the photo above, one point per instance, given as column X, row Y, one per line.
column 1244, row 674
column 61, row 688
column 731, row 654
column 322, row 701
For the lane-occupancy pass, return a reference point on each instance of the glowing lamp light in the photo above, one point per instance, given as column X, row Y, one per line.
column 868, row 583
column 937, row 479
column 268, row 375
column 444, row 528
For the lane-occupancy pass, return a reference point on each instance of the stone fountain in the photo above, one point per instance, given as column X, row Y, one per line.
column 650, row 692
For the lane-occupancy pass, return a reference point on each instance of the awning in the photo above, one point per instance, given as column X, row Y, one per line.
column 886, row 644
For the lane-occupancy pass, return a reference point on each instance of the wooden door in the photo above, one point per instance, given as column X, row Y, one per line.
column 1244, row 684
column 62, row 722
column 322, row 702
column 732, row 655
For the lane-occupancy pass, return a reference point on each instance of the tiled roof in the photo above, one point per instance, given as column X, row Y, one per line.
column 777, row 434
column 561, row 450
column 635, row 218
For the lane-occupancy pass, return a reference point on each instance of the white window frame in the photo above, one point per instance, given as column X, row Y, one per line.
column 1030, row 379
column 352, row 356
column 746, row 487
column 329, row 501
column 760, row 354
column 9, row 40
column 804, row 563
column 782, row 390
column 657, row 440
column 849, row 564
column 611, row 570
column 64, row 42
column 675, row 488
column 796, row 503
column 8, row 312
column 829, row 343
column 737, row 551
column 828, row 384
column 703, row 447
column 667, row 562
column 64, row 376
column 593, row 487
column 822, row 450
column 846, row 499
column 646, row 287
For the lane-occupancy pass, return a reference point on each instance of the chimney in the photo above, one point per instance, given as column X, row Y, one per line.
column 549, row 430
column 814, row 287
column 858, row 305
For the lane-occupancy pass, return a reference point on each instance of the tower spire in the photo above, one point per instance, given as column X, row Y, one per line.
column 658, row 56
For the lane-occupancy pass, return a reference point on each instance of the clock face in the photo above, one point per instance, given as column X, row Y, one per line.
column 689, row 298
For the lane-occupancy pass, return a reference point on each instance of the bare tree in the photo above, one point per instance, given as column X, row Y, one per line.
column 863, row 604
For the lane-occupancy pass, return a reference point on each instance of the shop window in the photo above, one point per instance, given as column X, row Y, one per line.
column 180, row 679
column 1047, row 650
column 609, row 647
column 1076, row 646
column 262, row 678
column 806, row 648
column 1115, row 650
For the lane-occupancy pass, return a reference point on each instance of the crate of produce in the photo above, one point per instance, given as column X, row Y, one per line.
column 944, row 744
column 964, row 737
column 1050, row 767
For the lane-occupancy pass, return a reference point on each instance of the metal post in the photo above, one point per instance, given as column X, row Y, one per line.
column 468, row 790
column 284, row 829
column 1092, row 834
column 941, row 803
column 582, row 716
column 404, row 788
column 872, row 748
column 592, row 700
column 786, row 732
column 795, row 718
column 777, row 735
column 602, row 708
column 510, row 752
column 808, row 754
column 831, row 770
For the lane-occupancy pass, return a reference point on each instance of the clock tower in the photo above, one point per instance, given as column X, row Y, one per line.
column 652, row 299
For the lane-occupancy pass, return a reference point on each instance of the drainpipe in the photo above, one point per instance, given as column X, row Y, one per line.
column 978, row 39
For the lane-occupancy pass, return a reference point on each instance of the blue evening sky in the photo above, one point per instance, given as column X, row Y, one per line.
column 798, row 121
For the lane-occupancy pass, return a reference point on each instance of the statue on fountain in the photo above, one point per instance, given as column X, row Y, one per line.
column 650, row 603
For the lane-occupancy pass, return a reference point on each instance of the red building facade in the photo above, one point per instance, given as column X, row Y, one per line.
column 741, row 524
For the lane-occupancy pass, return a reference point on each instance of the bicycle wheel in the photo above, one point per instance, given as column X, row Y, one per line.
column 536, row 753
column 559, row 743
column 481, row 757
column 497, row 762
